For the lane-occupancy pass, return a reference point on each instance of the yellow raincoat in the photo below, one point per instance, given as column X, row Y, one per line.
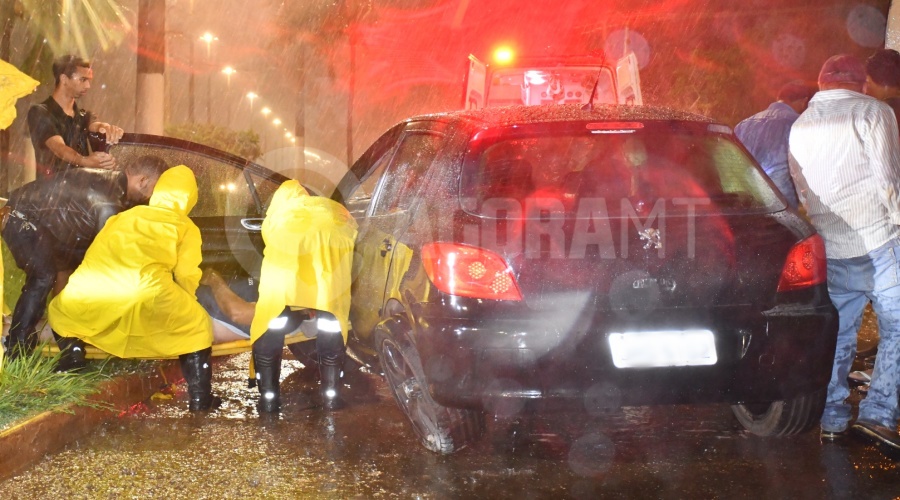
column 122, row 298
column 308, row 257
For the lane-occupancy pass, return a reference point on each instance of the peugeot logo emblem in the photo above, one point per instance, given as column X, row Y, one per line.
column 652, row 237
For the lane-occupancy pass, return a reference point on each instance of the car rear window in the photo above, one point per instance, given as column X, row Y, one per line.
column 624, row 168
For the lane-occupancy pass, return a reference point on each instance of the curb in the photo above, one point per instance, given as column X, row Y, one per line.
column 26, row 443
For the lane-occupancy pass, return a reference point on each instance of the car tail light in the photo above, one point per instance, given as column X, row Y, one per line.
column 468, row 271
column 805, row 265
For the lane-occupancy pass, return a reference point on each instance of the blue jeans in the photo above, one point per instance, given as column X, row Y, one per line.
column 784, row 183
column 852, row 283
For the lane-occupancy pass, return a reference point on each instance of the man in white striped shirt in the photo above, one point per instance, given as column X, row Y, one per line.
column 845, row 162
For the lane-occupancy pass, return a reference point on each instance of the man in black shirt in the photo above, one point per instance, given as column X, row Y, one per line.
column 59, row 128
column 51, row 224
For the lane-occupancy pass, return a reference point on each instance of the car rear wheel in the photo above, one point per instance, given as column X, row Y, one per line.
column 782, row 418
column 439, row 428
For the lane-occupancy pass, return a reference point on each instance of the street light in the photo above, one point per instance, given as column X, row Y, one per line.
column 252, row 96
column 265, row 112
column 209, row 38
column 228, row 70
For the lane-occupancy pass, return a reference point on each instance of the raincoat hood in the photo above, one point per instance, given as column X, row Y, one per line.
column 289, row 193
column 292, row 199
column 176, row 190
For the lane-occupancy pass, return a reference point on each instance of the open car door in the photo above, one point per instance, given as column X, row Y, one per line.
column 476, row 82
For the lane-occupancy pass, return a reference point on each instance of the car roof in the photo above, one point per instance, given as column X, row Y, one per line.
column 556, row 113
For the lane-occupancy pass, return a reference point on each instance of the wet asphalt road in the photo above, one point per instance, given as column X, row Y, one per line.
column 368, row 451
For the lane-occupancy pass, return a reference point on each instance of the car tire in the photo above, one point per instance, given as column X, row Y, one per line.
column 439, row 428
column 782, row 418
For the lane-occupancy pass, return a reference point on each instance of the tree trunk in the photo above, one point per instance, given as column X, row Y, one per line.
column 151, row 67
column 8, row 21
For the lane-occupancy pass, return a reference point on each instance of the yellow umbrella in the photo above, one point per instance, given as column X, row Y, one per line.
column 13, row 85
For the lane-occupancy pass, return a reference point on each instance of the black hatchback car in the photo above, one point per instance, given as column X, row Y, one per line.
column 531, row 258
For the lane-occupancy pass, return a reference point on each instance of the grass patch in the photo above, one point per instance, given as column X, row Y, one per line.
column 29, row 386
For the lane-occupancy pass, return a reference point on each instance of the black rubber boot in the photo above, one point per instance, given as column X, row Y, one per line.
column 330, row 347
column 197, row 372
column 330, row 370
column 71, row 354
column 267, row 353
column 16, row 348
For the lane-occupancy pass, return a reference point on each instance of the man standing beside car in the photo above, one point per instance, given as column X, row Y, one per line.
column 844, row 157
column 59, row 128
column 765, row 135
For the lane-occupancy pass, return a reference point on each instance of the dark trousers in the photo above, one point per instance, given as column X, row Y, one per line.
column 270, row 344
column 40, row 255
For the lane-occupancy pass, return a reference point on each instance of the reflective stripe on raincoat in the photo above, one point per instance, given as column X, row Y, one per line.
column 133, row 296
column 308, row 257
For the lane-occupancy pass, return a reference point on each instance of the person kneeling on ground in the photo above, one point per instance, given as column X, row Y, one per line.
column 133, row 296
column 306, row 265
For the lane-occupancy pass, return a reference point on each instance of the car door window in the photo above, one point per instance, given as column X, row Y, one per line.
column 359, row 201
column 223, row 190
column 265, row 188
column 221, row 187
column 404, row 175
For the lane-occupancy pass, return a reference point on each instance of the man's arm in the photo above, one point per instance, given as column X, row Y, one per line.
column 113, row 133
column 96, row 159
column 883, row 147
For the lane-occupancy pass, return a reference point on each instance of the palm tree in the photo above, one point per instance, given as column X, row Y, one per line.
column 318, row 27
column 57, row 27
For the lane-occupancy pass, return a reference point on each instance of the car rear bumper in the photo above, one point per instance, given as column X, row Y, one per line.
column 502, row 365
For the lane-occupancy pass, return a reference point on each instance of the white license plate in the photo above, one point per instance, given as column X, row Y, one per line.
column 663, row 348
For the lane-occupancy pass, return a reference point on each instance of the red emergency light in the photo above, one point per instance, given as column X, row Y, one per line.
column 504, row 55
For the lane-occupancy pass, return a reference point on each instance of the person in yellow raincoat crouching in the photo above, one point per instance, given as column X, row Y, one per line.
column 133, row 296
column 306, row 264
